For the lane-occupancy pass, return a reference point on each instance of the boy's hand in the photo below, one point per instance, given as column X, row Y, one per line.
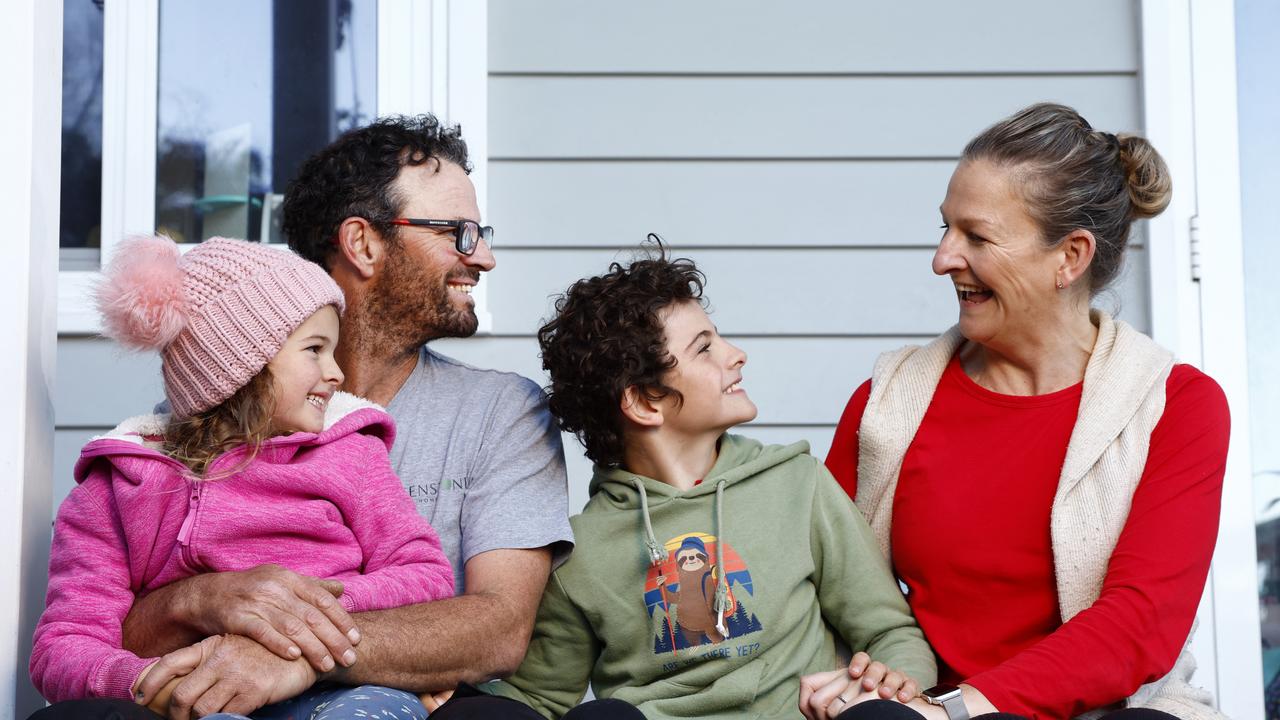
column 825, row 695
column 879, row 678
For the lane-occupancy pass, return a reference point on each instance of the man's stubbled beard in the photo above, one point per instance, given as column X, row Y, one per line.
column 409, row 305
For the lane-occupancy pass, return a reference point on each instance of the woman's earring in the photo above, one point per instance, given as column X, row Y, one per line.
column 1060, row 285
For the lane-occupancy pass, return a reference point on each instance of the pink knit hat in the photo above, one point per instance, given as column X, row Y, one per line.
column 217, row 314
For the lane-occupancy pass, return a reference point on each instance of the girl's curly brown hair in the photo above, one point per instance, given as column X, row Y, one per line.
column 242, row 419
column 606, row 336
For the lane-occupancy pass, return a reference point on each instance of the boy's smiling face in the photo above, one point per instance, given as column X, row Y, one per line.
column 708, row 373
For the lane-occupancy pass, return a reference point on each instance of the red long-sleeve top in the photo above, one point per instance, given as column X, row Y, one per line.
column 970, row 539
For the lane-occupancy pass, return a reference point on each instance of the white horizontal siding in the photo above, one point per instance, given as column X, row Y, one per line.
column 812, row 36
column 780, row 203
column 771, row 117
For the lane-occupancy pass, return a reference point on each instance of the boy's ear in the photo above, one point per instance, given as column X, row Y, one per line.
column 639, row 409
column 360, row 246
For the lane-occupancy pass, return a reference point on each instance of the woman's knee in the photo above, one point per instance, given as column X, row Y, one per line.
column 879, row 710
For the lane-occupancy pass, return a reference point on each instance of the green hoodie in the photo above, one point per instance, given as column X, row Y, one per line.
column 800, row 567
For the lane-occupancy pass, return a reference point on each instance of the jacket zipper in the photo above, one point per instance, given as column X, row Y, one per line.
column 188, row 523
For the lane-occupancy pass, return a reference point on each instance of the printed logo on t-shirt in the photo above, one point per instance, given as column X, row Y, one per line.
column 680, row 595
column 428, row 492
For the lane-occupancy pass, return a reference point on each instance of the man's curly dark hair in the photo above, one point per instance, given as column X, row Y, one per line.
column 353, row 177
column 607, row 335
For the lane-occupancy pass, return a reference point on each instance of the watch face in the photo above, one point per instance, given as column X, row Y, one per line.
column 938, row 693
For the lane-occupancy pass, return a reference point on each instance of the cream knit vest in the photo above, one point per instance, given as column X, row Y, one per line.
column 1122, row 400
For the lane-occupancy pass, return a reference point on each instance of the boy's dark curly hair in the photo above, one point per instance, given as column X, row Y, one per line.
column 352, row 177
column 607, row 336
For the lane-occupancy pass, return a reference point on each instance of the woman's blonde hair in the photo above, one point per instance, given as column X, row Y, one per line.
column 242, row 419
column 1075, row 177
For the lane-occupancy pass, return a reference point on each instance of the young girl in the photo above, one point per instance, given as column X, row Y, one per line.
column 261, row 461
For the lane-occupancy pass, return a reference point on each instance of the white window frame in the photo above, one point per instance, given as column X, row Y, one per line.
column 419, row 70
column 1190, row 102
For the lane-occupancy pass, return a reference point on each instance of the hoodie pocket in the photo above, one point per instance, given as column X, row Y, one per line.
column 729, row 695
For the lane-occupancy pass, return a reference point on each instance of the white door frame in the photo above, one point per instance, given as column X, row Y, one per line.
column 30, row 171
column 1197, row 301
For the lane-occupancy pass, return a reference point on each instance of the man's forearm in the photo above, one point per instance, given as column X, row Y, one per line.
column 434, row 646
column 158, row 625
column 476, row 636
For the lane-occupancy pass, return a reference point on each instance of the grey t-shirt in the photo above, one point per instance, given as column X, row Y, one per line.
column 480, row 455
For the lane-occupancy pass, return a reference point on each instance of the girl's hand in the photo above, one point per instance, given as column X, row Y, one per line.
column 879, row 678
column 433, row 701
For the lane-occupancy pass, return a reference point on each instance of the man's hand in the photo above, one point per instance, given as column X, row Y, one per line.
column 223, row 673
column 289, row 614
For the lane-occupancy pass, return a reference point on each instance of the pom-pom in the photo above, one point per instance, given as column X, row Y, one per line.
column 140, row 295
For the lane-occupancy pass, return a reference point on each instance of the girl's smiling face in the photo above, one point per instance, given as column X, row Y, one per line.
column 305, row 374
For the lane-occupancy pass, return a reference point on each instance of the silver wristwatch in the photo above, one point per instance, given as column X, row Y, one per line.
column 949, row 698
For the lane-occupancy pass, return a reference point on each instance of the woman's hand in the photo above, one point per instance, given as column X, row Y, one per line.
column 827, row 694
column 885, row 682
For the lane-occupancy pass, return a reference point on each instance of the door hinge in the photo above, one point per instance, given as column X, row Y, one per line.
column 1193, row 226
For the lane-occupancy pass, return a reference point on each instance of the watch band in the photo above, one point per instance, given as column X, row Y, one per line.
column 950, row 698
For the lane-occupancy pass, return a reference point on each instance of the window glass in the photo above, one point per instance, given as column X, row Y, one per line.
column 1258, row 55
column 80, row 221
column 245, row 95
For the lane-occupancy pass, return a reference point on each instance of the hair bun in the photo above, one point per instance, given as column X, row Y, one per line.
column 140, row 296
column 1150, row 186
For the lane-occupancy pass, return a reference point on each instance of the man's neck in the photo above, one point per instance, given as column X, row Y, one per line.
column 374, row 376
column 680, row 463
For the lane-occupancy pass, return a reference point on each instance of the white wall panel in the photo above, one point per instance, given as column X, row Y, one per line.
column 753, row 117
column 780, row 203
column 103, row 384
column 807, row 36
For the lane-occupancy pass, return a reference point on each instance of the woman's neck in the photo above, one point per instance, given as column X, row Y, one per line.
column 680, row 463
column 1053, row 358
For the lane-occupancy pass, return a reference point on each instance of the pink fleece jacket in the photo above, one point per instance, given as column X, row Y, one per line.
column 326, row 505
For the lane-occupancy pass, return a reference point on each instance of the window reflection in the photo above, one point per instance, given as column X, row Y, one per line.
column 246, row 94
column 80, row 214
column 1258, row 54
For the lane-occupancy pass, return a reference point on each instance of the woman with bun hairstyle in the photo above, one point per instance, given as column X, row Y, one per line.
column 1045, row 479
column 261, row 461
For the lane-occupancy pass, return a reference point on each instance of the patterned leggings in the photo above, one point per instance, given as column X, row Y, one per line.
column 334, row 702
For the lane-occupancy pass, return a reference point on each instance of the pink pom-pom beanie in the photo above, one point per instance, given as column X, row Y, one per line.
column 217, row 313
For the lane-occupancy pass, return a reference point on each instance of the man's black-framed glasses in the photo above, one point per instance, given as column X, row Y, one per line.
column 467, row 234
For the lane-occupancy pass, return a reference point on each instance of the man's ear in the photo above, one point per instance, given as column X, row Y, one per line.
column 360, row 246
column 639, row 409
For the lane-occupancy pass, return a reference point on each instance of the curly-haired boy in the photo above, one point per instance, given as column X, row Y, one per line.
column 711, row 571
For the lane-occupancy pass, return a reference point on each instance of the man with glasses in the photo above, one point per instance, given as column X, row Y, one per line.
column 390, row 212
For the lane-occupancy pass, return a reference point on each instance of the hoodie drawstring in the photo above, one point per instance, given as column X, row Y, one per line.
column 721, row 605
column 657, row 552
